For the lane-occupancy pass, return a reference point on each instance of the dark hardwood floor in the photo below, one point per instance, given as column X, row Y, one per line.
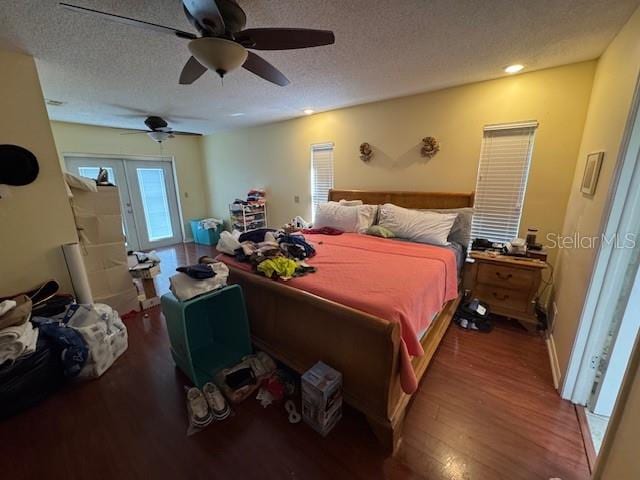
column 486, row 409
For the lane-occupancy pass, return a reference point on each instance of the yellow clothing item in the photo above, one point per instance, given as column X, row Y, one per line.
column 281, row 266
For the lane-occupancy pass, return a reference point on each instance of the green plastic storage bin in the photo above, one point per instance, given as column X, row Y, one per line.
column 205, row 236
column 207, row 333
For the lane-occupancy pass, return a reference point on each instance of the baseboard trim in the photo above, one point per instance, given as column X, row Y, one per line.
column 553, row 361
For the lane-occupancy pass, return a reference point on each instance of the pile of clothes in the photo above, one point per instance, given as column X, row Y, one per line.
column 46, row 339
column 194, row 280
column 272, row 253
column 17, row 335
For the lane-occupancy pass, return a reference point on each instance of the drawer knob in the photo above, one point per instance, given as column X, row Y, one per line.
column 502, row 297
column 501, row 276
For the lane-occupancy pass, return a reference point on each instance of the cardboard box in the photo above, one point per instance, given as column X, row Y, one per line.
column 102, row 257
column 145, row 271
column 106, row 201
column 110, row 281
column 148, row 303
column 122, row 302
column 321, row 397
column 99, row 229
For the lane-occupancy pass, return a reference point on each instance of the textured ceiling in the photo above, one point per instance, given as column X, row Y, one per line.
column 112, row 74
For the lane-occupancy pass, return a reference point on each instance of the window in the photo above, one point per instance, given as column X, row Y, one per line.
column 154, row 203
column 321, row 175
column 502, row 180
column 92, row 172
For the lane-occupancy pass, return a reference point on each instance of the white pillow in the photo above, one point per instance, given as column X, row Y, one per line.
column 348, row 219
column 422, row 227
column 351, row 203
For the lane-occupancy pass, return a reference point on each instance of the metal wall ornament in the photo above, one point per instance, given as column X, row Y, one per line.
column 430, row 147
column 366, row 153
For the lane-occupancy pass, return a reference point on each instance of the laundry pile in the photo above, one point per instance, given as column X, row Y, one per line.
column 194, row 280
column 46, row 339
column 17, row 335
column 210, row 223
column 272, row 253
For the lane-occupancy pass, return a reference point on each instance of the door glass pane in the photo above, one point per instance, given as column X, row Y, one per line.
column 154, row 202
column 92, row 172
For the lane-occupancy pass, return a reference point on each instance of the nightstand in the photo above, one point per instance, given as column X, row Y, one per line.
column 508, row 284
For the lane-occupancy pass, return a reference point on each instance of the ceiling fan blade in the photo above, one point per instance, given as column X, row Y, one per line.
column 186, row 133
column 284, row 38
column 206, row 14
column 130, row 21
column 262, row 68
column 192, row 71
column 135, row 133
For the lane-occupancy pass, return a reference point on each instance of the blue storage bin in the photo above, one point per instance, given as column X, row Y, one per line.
column 202, row 236
column 207, row 333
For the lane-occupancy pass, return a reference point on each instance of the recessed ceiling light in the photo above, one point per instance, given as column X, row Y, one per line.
column 54, row 103
column 514, row 68
column 237, row 114
column 308, row 111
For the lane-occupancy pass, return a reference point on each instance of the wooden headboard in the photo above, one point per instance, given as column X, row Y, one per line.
column 416, row 200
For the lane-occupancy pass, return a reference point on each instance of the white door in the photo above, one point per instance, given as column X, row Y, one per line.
column 617, row 354
column 155, row 207
column 148, row 198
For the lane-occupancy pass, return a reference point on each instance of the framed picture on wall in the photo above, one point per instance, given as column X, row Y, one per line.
column 591, row 172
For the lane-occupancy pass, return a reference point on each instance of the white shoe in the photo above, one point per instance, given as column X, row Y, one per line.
column 217, row 403
column 199, row 414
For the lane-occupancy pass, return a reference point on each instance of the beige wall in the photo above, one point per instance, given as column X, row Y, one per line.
column 611, row 99
column 186, row 150
column 277, row 156
column 36, row 219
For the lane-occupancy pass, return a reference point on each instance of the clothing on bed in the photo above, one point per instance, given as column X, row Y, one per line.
column 401, row 282
column 277, row 254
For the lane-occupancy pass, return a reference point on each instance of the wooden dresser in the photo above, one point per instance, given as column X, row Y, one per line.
column 508, row 284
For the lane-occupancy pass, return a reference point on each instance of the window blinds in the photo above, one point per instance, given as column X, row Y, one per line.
column 502, row 180
column 321, row 175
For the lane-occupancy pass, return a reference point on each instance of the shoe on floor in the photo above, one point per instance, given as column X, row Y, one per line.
column 199, row 413
column 217, row 403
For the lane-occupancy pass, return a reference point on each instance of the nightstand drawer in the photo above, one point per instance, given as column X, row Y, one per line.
column 504, row 276
column 511, row 299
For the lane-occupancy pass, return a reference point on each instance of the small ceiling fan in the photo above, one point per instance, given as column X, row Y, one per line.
column 222, row 44
column 159, row 130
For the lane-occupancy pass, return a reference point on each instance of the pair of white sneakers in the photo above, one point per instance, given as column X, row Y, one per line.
column 206, row 405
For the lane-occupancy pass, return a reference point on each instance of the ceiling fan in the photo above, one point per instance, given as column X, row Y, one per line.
column 159, row 129
column 223, row 44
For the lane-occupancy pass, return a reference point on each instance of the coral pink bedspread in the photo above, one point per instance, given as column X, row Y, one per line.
column 397, row 281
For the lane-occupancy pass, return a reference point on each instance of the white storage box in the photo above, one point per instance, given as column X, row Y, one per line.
column 321, row 397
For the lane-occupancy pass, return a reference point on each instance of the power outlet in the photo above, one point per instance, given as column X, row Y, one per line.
column 296, row 199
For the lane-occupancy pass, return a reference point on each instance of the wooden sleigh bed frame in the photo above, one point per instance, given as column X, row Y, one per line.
column 300, row 328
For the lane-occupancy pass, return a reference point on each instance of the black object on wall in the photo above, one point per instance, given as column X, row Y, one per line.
column 18, row 166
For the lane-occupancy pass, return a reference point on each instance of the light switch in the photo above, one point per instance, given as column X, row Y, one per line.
column 186, row 194
column 296, row 199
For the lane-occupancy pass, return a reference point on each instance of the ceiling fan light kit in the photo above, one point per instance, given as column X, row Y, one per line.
column 218, row 54
column 159, row 136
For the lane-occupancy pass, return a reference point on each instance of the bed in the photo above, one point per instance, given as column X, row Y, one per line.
column 300, row 327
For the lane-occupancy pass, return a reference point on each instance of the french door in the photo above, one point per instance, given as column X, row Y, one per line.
column 148, row 199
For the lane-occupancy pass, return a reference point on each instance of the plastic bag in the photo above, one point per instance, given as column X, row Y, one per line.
column 228, row 243
column 103, row 331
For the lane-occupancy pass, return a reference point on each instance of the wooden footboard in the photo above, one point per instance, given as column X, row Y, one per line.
column 299, row 328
